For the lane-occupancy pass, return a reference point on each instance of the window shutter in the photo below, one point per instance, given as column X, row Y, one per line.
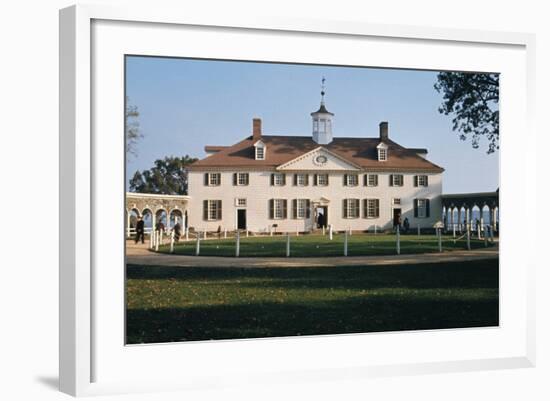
column 415, row 180
column 294, row 208
column 284, row 179
column 391, row 180
column 219, row 213
column 377, row 207
column 365, row 180
column 205, row 178
column 247, row 178
column 235, row 179
column 345, row 210
column 295, row 179
column 345, row 179
column 376, row 180
column 308, row 211
column 272, row 179
column 272, row 207
column 284, row 208
column 427, row 208
column 416, row 208
column 205, row 210
column 314, row 179
column 356, row 207
column 328, row 177
column 365, row 208
column 307, row 179
column 426, row 180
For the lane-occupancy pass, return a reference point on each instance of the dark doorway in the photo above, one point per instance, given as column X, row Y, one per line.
column 396, row 217
column 322, row 216
column 241, row 219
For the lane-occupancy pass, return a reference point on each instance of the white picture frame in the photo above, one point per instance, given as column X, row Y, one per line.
column 83, row 349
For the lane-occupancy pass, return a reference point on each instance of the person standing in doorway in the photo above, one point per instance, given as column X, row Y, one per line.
column 140, row 230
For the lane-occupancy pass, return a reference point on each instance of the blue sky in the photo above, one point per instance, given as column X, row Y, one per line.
column 186, row 104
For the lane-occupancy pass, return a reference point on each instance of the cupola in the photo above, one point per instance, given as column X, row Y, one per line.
column 322, row 121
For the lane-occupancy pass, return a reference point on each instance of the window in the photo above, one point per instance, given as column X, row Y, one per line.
column 322, row 180
column 396, row 180
column 351, row 180
column 371, row 208
column 420, row 180
column 240, row 178
column 300, row 208
column 277, row 209
column 212, row 209
column 351, row 208
column 212, row 179
column 301, row 180
column 278, row 179
column 371, row 180
column 260, row 153
column 241, row 202
column 421, row 208
column 396, row 201
column 382, row 154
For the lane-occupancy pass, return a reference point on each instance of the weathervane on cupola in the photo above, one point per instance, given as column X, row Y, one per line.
column 322, row 121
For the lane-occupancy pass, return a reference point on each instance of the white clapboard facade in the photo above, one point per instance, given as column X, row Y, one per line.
column 300, row 183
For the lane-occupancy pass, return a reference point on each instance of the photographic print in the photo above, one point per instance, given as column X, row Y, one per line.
column 274, row 200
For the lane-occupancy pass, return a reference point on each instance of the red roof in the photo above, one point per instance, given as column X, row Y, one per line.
column 282, row 149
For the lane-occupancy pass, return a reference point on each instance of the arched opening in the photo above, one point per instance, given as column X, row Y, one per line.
column 485, row 216
column 148, row 220
column 476, row 217
column 176, row 216
column 131, row 221
column 161, row 219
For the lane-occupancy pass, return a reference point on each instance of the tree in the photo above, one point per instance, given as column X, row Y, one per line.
column 168, row 176
column 473, row 100
column 133, row 134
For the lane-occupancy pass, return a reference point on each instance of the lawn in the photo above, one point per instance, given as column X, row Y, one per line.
column 166, row 304
column 318, row 245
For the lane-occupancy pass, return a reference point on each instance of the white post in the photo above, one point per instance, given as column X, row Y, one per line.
column 323, row 231
column 238, row 244
column 485, row 237
column 346, row 244
column 161, row 236
column 454, row 230
column 468, row 229
column 128, row 225
column 375, row 229
column 418, row 229
column 439, row 240
column 287, row 245
column 246, row 233
column 492, row 234
column 151, row 239
column 157, row 240
column 204, row 234
column 398, row 245
column 297, row 232
column 330, row 232
column 271, row 231
column 198, row 248
column 172, row 242
column 350, row 233
column 478, row 231
column 225, row 233
column 187, row 233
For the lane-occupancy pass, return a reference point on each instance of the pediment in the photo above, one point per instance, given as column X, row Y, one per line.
column 319, row 159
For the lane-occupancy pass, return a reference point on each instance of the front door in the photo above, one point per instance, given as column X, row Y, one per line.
column 396, row 217
column 241, row 219
column 322, row 216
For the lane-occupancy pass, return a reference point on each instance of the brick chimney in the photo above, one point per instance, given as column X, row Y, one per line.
column 383, row 130
column 256, row 129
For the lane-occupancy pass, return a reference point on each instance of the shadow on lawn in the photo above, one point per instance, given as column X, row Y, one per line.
column 431, row 296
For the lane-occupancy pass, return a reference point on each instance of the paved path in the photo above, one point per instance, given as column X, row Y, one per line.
column 140, row 254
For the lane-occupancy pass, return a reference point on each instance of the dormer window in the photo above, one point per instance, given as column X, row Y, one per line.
column 259, row 150
column 382, row 152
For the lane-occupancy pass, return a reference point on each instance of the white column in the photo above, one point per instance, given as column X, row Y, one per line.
column 468, row 229
column 237, row 244
column 172, row 242
column 198, row 246
column 439, row 240
column 127, row 225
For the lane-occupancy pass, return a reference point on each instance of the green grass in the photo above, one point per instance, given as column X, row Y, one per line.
column 318, row 245
column 167, row 304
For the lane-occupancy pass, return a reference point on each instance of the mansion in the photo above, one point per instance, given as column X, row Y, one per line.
column 281, row 183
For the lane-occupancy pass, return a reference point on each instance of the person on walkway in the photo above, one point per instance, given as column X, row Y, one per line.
column 177, row 231
column 406, row 225
column 140, row 230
